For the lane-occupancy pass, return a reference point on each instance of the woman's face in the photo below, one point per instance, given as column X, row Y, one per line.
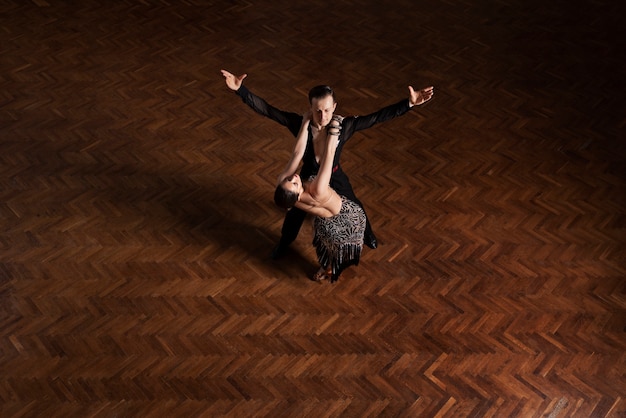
column 293, row 184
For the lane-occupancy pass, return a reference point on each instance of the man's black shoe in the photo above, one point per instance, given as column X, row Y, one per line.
column 371, row 241
column 279, row 251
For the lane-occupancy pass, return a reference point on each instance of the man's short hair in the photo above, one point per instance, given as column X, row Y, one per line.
column 319, row 92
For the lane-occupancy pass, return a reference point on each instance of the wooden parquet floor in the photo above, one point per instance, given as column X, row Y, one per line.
column 137, row 217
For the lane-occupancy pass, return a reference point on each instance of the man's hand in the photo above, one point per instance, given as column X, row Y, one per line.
column 421, row 96
column 232, row 81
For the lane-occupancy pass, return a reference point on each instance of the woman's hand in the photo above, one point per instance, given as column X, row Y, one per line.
column 334, row 127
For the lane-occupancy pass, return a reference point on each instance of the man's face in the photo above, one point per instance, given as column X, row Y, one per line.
column 322, row 110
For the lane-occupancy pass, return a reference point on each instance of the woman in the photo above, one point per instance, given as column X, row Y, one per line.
column 339, row 222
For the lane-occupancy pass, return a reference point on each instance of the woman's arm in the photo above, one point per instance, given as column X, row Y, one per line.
column 298, row 151
column 320, row 186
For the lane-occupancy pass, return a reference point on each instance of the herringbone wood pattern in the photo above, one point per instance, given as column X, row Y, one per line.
column 137, row 219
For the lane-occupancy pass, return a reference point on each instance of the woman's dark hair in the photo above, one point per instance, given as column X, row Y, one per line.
column 284, row 198
column 319, row 92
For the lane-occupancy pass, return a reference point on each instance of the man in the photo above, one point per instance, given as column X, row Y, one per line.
column 323, row 104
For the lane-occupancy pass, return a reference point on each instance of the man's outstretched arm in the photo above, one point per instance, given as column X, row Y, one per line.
column 357, row 123
column 289, row 119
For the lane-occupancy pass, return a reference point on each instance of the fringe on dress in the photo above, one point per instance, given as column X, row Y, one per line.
column 338, row 240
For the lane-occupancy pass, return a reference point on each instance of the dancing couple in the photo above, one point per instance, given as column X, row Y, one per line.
column 320, row 138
